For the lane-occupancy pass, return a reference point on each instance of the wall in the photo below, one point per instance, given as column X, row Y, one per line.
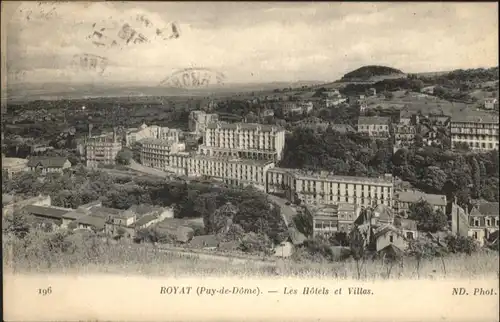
column 459, row 221
column 384, row 240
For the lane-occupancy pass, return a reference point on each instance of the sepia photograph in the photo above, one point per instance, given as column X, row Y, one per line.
column 168, row 161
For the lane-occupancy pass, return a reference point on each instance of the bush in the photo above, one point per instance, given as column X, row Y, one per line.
column 461, row 244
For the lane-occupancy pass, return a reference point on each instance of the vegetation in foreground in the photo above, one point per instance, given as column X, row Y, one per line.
column 59, row 252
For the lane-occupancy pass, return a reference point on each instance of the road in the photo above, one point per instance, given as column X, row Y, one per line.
column 288, row 212
column 155, row 172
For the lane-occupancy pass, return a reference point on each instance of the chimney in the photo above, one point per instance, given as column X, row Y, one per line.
column 90, row 129
column 114, row 134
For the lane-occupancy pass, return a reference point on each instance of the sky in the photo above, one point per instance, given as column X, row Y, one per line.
column 249, row 42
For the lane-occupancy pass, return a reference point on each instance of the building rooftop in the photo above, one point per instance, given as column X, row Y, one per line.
column 386, row 228
column 50, row 212
column 416, row 196
column 144, row 220
column 157, row 142
column 144, row 209
column 324, row 175
column 486, row 209
column 47, row 162
column 74, row 215
column 12, row 162
column 245, row 126
column 342, row 128
column 378, row 120
column 406, row 224
column 93, row 221
column 475, row 118
column 232, row 160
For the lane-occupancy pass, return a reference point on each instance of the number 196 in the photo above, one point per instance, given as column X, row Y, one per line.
column 45, row 291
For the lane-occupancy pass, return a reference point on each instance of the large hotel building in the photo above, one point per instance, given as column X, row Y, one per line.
column 479, row 132
column 102, row 149
column 155, row 152
column 322, row 188
column 243, row 140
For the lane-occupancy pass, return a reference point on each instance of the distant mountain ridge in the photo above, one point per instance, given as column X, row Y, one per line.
column 372, row 73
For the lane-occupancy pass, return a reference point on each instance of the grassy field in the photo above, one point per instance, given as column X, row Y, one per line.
column 83, row 256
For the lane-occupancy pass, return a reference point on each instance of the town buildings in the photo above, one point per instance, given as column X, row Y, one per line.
column 404, row 136
column 151, row 132
column 12, row 166
column 329, row 219
column 377, row 127
column 483, row 220
column 480, row 133
column 230, row 170
column 382, row 229
column 102, row 149
column 155, row 152
column 48, row 164
column 324, row 188
column 290, row 108
column 480, row 223
column 244, row 140
column 403, row 200
column 490, row 103
column 198, row 121
column 334, row 102
column 93, row 216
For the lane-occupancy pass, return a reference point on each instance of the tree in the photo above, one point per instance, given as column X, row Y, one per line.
column 420, row 250
column 428, row 219
column 340, row 238
column 255, row 243
column 124, row 156
column 434, row 178
column 234, row 233
column 461, row 244
column 303, row 224
column 357, row 247
column 17, row 223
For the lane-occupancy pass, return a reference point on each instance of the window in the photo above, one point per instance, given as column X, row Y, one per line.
column 474, row 235
column 488, row 222
column 391, row 238
column 409, row 235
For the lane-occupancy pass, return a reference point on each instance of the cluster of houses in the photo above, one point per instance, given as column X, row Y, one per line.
column 43, row 165
column 92, row 216
column 478, row 131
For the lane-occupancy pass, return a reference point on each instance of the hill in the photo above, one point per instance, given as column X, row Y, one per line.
column 372, row 73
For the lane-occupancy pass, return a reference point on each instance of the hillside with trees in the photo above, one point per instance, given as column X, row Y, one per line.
column 254, row 212
column 365, row 73
column 461, row 174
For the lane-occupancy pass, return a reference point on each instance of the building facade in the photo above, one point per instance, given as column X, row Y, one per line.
column 151, row 132
column 329, row 219
column 480, row 133
column 404, row 135
column 48, row 164
column 155, row 152
column 102, row 149
column 243, row 140
column 403, row 200
column 12, row 166
column 198, row 121
column 483, row 221
column 323, row 188
column 375, row 126
column 232, row 171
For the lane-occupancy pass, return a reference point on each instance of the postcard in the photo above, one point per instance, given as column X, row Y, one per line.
column 250, row 161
